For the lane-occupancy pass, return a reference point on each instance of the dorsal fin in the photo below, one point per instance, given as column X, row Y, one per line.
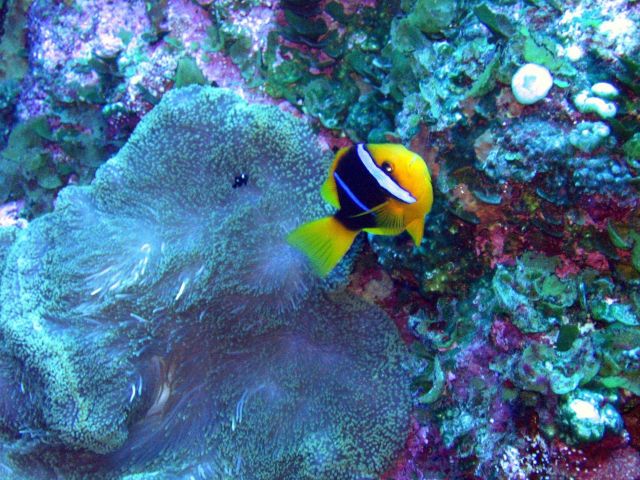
column 329, row 190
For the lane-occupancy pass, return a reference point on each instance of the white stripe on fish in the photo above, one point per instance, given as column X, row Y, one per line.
column 384, row 180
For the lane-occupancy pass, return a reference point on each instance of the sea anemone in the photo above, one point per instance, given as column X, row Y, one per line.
column 162, row 323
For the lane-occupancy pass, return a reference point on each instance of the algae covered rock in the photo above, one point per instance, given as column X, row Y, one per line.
column 532, row 294
column 585, row 415
column 587, row 136
column 612, row 304
column 433, row 16
column 542, row 368
column 157, row 324
column 519, row 154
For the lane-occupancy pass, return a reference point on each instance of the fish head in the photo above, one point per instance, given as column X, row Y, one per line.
column 409, row 171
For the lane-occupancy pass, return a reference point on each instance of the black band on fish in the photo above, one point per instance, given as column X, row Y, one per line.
column 357, row 189
column 348, row 191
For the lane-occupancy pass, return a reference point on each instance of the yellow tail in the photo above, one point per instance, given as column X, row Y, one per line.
column 324, row 241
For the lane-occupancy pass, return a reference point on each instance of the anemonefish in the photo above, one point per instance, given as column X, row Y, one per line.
column 382, row 189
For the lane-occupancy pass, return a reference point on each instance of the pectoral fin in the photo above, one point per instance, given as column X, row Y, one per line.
column 416, row 230
column 390, row 219
column 375, row 210
column 388, row 222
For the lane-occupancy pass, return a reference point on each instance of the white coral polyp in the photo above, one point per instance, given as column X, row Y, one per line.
column 531, row 83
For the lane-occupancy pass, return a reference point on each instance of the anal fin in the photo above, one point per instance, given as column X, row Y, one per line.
column 416, row 230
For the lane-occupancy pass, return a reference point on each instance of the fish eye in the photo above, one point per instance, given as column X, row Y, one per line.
column 240, row 180
column 387, row 167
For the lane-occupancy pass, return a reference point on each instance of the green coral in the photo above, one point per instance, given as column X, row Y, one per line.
column 329, row 101
column 609, row 305
column 9, row 92
column 304, row 28
column 432, row 77
column 516, row 154
column 162, row 320
column 38, row 160
column 327, row 77
column 435, row 381
column 26, row 164
column 532, row 294
column 621, row 357
column 13, row 40
column 188, row 73
column 631, row 150
column 433, row 16
column 455, row 424
column 496, row 22
column 368, row 121
column 72, row 139
column 448, row 342
column 614, row 312
column 542, row 368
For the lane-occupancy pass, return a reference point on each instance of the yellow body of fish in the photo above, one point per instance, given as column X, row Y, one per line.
column 382, row 189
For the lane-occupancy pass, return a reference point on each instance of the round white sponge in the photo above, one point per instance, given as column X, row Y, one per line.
column 531, row 83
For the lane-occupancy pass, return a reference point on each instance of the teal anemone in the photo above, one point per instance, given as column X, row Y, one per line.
column 158, row 320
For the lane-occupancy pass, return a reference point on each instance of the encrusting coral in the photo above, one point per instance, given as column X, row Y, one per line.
column 158, row 321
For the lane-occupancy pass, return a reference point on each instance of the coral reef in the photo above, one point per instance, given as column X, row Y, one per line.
column 158, row 321
column 521, row 307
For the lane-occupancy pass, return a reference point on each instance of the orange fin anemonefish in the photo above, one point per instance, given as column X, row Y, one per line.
column 382, row 189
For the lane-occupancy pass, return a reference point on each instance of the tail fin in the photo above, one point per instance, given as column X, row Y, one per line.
column 324, row 241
